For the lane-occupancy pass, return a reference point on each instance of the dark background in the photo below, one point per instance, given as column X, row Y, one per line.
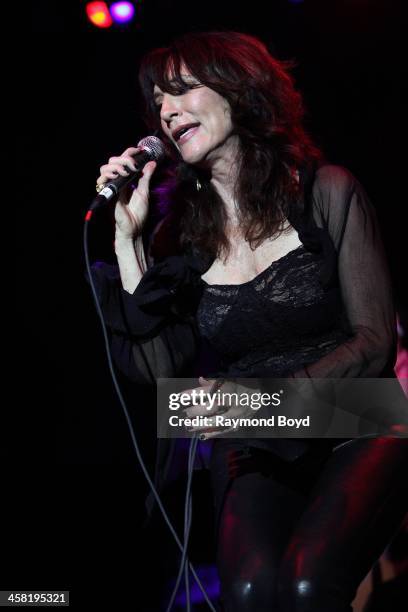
column 75, row 487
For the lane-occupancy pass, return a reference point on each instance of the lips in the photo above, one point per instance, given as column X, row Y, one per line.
column 182, row 129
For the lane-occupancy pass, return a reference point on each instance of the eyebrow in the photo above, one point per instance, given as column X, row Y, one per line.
column 175, row 80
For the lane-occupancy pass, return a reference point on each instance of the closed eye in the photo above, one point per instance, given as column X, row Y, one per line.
column 158, row 99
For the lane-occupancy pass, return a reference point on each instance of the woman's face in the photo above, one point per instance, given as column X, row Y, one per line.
column 197, row 121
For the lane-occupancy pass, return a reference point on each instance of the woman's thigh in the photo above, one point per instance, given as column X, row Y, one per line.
column 257, row 511
column 357, row 504
column 307, row 536
column 257, row 518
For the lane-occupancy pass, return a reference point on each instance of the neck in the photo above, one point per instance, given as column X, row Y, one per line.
column 224, row 173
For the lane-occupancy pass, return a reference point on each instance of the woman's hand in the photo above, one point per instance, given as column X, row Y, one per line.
column 229, row 410
column 133, row 204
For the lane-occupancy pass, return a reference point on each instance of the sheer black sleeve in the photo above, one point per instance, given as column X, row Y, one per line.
column 342, row 207
column 150, row 337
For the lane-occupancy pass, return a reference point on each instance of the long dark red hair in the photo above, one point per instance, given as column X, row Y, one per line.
column 267, row 114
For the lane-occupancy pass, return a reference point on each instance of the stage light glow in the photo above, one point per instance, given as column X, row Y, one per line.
column 98, row 14
column 122, row 11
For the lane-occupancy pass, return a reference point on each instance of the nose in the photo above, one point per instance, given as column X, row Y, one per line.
column 169, row 108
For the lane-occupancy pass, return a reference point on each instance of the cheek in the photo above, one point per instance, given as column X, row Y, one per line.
column 167, row 133
column 164, row 127
column 222, row 122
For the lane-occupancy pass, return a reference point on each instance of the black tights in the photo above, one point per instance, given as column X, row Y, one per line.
column 301, row 537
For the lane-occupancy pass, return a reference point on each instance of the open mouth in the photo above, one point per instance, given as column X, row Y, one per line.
column 185, row 132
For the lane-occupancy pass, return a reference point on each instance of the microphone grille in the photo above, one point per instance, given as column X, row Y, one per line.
column 152, row 145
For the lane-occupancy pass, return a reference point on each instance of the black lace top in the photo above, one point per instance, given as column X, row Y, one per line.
column 323, row 310
column 277, row 323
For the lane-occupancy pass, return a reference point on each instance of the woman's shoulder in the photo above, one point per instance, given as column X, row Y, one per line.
column 334, row 177
column 333, row 189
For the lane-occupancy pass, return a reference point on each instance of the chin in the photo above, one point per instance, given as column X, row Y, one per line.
column 195, row 154
column 193, row 158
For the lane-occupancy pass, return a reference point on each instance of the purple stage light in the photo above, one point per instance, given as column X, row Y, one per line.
column 122, row 12
column 208, row 576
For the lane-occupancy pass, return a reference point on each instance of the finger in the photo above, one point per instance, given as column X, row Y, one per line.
column 114, row 167
column 101, row 179
column 217, row 433
column 210, row 409
column 106, row 169
column 201, row 410
column 123, row 165
column 107, row 175
column 143, row 186
column 131, row 151
column 201, row 397
column 129, row 162
column 203, row 429
column 206, row 381
column 197, row 390
column 147, row 172
column 212, row 383
column 124, row 160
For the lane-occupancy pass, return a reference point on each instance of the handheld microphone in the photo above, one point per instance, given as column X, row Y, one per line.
column 152, row 150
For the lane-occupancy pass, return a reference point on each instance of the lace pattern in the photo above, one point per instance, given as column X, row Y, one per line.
column 280, row 320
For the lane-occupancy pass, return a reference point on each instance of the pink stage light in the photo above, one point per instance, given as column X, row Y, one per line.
column 122, row 12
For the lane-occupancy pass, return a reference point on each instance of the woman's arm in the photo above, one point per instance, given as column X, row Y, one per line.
column 342, row 206
column 148, row 340
column 131, row 261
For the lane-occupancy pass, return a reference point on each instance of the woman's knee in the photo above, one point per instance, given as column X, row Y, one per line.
column 311, row 594
column 251, row 593
column 296, row 593
column 315, row 588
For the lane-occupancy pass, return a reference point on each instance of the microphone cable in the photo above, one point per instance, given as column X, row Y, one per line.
column 193, row 445
column 184, row 563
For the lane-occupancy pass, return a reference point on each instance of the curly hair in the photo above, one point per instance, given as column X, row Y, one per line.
column 267, row 114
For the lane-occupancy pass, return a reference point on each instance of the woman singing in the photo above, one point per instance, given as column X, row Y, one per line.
column 269, row 260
